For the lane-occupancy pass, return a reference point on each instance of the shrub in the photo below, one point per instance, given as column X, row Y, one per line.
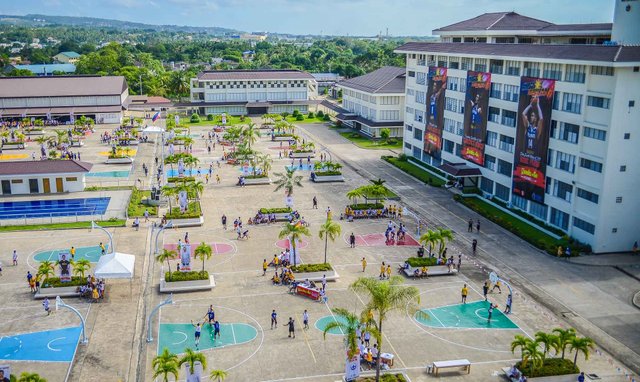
column 320, row 114
column 54, row 282
column 550, row 367
column 186, row 276
column 328, row 173
column 418, row 262
column 384, row 378
column 300, row 117
column 175, row 179
column 257, row 176
column 326, row 118
column 210, row 117
column 392, row 141
column 277, row 210
column 284, row 114
column 195, row 118
column 403, row 157
column 311, row 115
column 322, row 267
column 366, row 206
column 296, row 113
column 193, row 211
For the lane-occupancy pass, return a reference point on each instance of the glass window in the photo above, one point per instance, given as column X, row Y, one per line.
column 418, row 116
column 504, row 167
column 598, row 134
column 454, row 62
column 552, row 71
column 421, row 97
column 452, row 83
column 502, row 192
column 486, row 185
column 575, row 73
column 448, row 146
column 572, row 103
column 492, row 138
column 494, row 114
column 465, row 63
column 417, row 134
column 495, row 90
column 602, row 70
column 531, row 69
column 556, row 101
column 569, row 132
column 510, row 93
column 496, row 66
column 490, row 162
column 410, row 92
column 583, row 225
column 407, row 145
column 411, row 73
column 565, row 162
column 587, row 195
column 559, row 219
column 538, row 210
column 417, row 152
column 481, row 65
column 519, row 202
column 421, row 78
column 591, row 165
column 600, row 102
column 513, row 68
column 509, row 118
column 408, row 127
column 442, row 61
column 562, row 190
column 506, row 143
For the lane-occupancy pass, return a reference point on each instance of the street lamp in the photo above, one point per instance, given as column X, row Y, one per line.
column 168, row 301
column 94, row 225
column 61, row 304
column 168, row 225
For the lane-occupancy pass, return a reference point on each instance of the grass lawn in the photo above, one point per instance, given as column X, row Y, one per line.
column 193, row 211
column 306, row 120
column 136, row 207
column 73, row 225
column 367, row 143
column 415, row 171
column 231, row 120
column 389, row 195
column 109, row 188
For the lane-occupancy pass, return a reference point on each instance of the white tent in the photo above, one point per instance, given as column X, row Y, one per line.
column 115, row 266
column 153, row 130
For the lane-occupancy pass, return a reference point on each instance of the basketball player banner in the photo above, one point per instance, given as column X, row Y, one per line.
column 475, row 116
column 436, row 89
column 532, row 138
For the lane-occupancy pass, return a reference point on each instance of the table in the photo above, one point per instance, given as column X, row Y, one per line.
column 387, row 358
column 308, row 292
column 452, row 363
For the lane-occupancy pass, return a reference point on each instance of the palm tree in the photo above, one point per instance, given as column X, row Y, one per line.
column 169, row 192
column 43, row 139
column 287, row 180
column 386, row 296
column 329, row 230
column 348, row 325
column 190, row 161
column 519, row 341
column 81, row 266
column 204, row 252
column 31, row 377
column 430, row 238
column 374, row 192
column 179, row 83
column 294, row 232
column 564, row 337
column 444, row 236
column 378, row 182
column 190, row 357
column 217, row 374
column 61, row 137
column 546, row 339
column 46, row 270
column 164, row 364
column 532, row 356
column 355, row 194
column 581, row 345
column 265, row 163
column 250, row 134
column 166, row 255
column 197, row 187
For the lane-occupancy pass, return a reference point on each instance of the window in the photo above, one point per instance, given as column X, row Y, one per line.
column 559, row 219
column 502, row 192
column 575, row 73
column 490, row 162
column 565, row 162
column 552, row 71
column 538, row 210
column 591, row 165
column 602, row 71
column 450, row 125
column 16, row 181
column 442, row 61
column 466, row 63
column 598, row 134
column 495, row 90
column 417, row 134
column 600, row 102
column 519, row 202
column 531, row 69
column 562, row 190
column 587, row 195
column 452, row 83
column 504, row 168
column 481, row 65
column 556, row 101
column 451, row 104
column 454, row 62
column 418, row 116
column 389, row 115
column 458, row 150
column 421, row 97
column 627, row 136
column 569, row 132
column 421, row 78
column 486, row 185
column 463, row 85
column 583, row 225
column 505, row 40
column 71, row 179
column 448, row 146
column 494, row 114
column 572, row 103
column 407, row 145
column 510, row 93
column 411, row 73
column 496, row 66
column 513, row 68
column 619, row 199
column 409, row 110
column 623, row 168
column 410, row 92
column 506, row 143
column 509, row 118
column 417, row 152
column 408, row 127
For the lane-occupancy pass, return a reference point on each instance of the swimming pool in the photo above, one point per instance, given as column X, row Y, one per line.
column 304, row 167
column 53, row 208
column 194, row 172
column 109, row 174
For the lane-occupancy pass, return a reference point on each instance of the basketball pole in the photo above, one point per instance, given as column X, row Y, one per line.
column 94, row 225
column 168, row 301
column 61, row 304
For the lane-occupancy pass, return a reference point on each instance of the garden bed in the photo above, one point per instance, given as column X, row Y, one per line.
column 278, row 138
column 137, row 206
column 315, row 272
column 302, row 154
column 193, row 211
column 187, row 282
column 415, row 171
column 13, row 145
column 331, row 176
column 553, row 369
column 54, row 287
column 125, row 160
column 34, row 132
column 249, row 181
column 388, row 377
column 366, row 206
column 417, row 262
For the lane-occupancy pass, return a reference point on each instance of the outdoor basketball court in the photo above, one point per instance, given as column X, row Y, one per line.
column 217, row 248
column 57, row 345
column 178, row 337
column 91, row 253
column 379, row 240
column 473, row 315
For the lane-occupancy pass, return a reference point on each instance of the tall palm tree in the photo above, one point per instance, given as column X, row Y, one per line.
column 81, row 266
column 519, row 341
column 386, row 296
column 329, row 230
column 46, row 270
column 190, row 161
column 61, row 136
column 165, row 364
column 430, row 239
column 179, row 83
column 250, row 134
column 444, row 236
column 347, row 323
column 219, row 375
column 190, row 357
column 294, row 232
column 581, row 345
column 287, row 180
column 265, row 163
column 41, row 140
column 31, row 377
column 546, row 339
column 374, row 192
column 355, row 194
column 532, row 356
column 166, row 255
column 564, row 338
column 378, row 182
column 169, row 192
column 204, row 252
column 197, row 187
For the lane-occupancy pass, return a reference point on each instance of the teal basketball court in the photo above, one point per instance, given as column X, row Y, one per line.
column 178, row 337
column 473, row 315
column 91, row 253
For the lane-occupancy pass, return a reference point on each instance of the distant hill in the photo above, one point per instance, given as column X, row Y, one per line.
column 45, row 20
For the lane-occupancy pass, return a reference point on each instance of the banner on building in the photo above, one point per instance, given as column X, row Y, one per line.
column 532, row 138
column 436, row 88
column 476, row 107
column 65, row 266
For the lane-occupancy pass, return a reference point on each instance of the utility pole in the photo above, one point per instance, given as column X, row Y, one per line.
column 140, row 76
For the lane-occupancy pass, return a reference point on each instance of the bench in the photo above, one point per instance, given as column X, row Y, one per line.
column 435, row 270
column 437, row 365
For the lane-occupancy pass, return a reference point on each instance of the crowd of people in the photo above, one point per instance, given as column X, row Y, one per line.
column 391, row 211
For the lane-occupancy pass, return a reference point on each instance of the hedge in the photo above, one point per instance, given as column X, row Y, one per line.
column 193, row 211
column 277, row 210
column 550, row 367
column 195, row 118
column 303, row 268
column 54, row 282
column 415, row 171
column 186, row 276
column 384, row 378
column 328, row 173
column 418, row 262
column 257, row 176
column 176, row 179
column 366, row 206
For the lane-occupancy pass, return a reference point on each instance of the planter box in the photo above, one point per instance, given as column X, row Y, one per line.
column 13, row 146
column 53, row 292
column 551, row 378
column 328, row 178
column 317, row 276
column 255, row 181
column 303, row 154
column 34, row 132
column 77, row 144
column 119, row 161
column 382, row 372
column 435, row 270
column 190, row 222
column 187, row 286
column 278, row 138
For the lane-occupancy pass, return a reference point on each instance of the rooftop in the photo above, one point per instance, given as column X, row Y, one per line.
column 43, row 167
column 70, row 54
column 252, row 75
column 388, row 79
column 601, row 53
column 60, row 86
column 48, row 68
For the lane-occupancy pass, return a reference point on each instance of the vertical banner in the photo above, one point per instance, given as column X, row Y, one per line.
column 65, row 266
column 352, row 368
column 185, row 257
column 436, row 88
column 532, row 138
column 476, row 107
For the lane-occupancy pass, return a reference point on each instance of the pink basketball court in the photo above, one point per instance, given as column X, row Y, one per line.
column 378, row 240
column 284, row 244
column 217, row 248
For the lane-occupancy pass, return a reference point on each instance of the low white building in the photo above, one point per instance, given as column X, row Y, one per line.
column 43, row 177
column 374, row 101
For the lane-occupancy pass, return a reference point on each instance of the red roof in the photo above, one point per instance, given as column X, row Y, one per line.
column 43, row 167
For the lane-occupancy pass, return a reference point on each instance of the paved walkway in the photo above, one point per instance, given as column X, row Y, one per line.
column 595, row 300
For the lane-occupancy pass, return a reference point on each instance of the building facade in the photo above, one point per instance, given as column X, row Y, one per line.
column 43, row 177
column 252, row 92
column 374, row 101
column 586, row 166
column 67, row 57
column 63, row 98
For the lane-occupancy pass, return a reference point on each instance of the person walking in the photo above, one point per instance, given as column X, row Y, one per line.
column 265, row 265
column 496, row 285
column 478, row 226
column 292, row 329
column 218, row 176
column 45, row 305
column 72, row 252
column 485, row 289
column 459, row 262
column 216, row 330
column 364, row 264
column 474, row 246
column 103, row 250
column 464, row 292
column 15, row 258
column 305, row 319
column 507, row 308
column 146, row 215
column 274, row 319
column 388, row 271
column 224, row 222
column 470, row 225
column 383, row 268
column 210, row 315
column 315, row 203
column 352, row 240
column 324, row 282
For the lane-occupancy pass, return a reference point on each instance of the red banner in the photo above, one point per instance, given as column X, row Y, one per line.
column 476, row 109
column 307, row 292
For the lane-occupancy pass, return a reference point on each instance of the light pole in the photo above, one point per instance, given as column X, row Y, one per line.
column 168, row 301
column 168, row 225
column 61, row 304
column 94, row 225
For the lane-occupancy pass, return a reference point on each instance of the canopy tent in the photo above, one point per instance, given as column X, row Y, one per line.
column 115, row 266
column 153, row 130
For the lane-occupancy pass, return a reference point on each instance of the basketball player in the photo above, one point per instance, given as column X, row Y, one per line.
column 533, row 120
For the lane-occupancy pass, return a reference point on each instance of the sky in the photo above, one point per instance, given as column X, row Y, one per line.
column 327, row 17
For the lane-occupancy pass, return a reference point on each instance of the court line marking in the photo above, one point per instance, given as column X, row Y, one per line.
column 332, row 315
column 306, row 340
column 54, row 340
column 179, row 332
column 233, row 333
column 436, row 317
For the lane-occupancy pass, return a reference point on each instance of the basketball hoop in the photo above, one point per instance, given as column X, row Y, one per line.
column 493, row 277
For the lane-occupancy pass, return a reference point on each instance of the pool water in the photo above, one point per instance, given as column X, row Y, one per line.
column 187, row 172
column 304, row 167
column 109, row 174
column 53, row 208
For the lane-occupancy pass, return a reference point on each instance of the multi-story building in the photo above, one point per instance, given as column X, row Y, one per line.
column 374, row 101
column 252, row 92
column 587, row 162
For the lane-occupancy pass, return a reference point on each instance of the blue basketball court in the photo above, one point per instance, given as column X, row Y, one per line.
column 474, row 315
column 91, row 253
column 48, row 346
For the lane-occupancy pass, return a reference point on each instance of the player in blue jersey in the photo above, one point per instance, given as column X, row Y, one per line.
column 476, row 113
column 533, row 121
column 433, row 102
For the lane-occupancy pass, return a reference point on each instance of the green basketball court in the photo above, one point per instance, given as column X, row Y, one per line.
column 465, row 316
column 324, row 321
column 178, row 337
column 91, row 253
